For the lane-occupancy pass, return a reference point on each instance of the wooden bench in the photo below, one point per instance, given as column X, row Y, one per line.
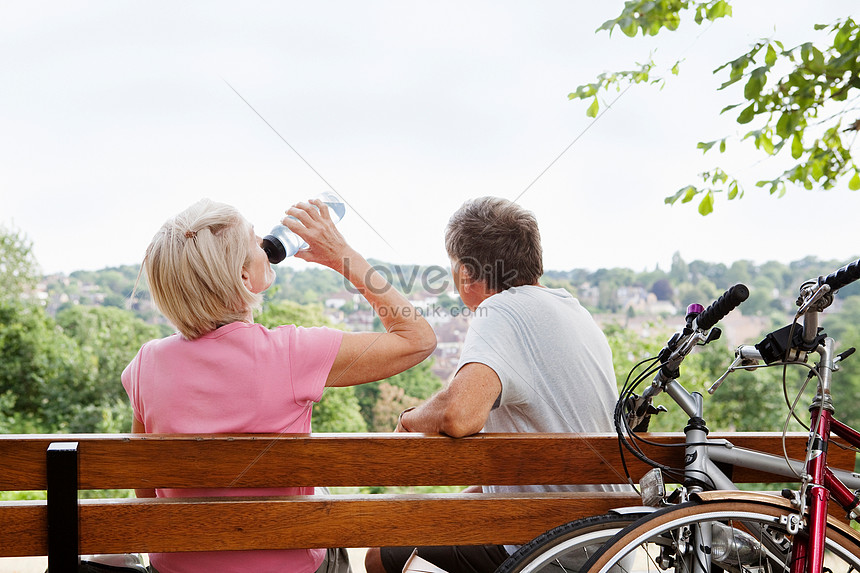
column 63, row 526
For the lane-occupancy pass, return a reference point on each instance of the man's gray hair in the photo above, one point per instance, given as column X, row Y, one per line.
column 498, row 242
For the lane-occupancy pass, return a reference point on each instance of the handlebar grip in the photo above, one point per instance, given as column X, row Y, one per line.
column 727, row 302
column 842, row 277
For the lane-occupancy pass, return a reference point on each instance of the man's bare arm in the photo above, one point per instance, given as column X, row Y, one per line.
column 461, row 408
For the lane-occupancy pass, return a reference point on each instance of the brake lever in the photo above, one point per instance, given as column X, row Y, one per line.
column 746, row 357
column 819, row 293
column 735, row 363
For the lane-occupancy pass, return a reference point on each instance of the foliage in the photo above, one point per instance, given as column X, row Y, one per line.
column 338, row 411
column 47, row 382
column 747, row 401
column 305, row 286
column 796, row 98
column 381, row 402
column 19, row 271
column 389, row 403
column 110, row 337
column 288, row 312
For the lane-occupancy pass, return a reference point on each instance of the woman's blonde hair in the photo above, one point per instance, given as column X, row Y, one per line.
column 194, row 268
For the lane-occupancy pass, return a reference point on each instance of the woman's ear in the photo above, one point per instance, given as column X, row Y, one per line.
column 246, row 279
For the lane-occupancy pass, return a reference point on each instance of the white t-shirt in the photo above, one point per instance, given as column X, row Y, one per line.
column 554, row 364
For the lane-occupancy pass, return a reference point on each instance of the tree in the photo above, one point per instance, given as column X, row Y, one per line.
column 662, row 289
column 680, row 271
column 19, row 271
column 390, row 401
column 799, row 100
column 288, row 312
column 110, row 337
column 379, row 401
column 46, row 380
column 338, row 411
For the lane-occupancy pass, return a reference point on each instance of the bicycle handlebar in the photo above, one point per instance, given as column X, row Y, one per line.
column 842, row 277
column 727, row 302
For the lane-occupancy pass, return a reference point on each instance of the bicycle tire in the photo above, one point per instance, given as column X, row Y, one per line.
column 568, row 546
column 653, row 541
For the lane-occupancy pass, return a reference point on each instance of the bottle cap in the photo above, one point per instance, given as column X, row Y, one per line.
column 274, row 249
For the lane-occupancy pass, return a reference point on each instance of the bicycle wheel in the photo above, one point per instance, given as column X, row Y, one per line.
column 746, row 536
column 567, row 547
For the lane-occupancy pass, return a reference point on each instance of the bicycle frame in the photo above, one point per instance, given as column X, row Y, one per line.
column 703, row 455
column 822, row 482
column 819, row 482
column 772, row 533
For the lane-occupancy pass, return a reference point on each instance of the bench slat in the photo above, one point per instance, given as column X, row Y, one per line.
column 124, row 461
column 128, row 525
column 121, row 526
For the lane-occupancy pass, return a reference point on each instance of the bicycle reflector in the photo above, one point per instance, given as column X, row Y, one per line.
column 652, row 487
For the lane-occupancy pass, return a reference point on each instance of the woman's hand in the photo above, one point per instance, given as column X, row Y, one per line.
column 363, row 356
column 312, row 222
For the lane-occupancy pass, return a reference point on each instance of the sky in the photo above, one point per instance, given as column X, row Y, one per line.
column 114, row 116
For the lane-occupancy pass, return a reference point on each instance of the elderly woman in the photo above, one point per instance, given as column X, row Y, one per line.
column 224, row 374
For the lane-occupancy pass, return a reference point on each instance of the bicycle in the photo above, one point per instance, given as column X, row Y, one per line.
column 580, row 544
column 744, row 532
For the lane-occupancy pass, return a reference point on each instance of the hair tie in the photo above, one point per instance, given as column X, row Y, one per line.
column 190, row 234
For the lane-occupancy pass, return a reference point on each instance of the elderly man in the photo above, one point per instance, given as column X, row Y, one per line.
column 533, row 360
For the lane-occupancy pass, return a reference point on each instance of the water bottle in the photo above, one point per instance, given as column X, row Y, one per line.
column 282, row 243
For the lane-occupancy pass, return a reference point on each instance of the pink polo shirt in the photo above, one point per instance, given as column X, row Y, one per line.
column 240, row 378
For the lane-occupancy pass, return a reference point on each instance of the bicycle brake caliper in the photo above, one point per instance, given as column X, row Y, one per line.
column 792, row 523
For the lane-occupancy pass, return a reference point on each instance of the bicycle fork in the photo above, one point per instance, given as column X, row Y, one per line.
column 706, row 542
column 696, row 462
column 808, row 552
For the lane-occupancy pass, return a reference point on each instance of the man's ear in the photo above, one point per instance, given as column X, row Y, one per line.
column 465, row 278
column 474, row 286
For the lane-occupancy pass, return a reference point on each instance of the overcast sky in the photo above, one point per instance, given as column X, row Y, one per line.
column 115, row 115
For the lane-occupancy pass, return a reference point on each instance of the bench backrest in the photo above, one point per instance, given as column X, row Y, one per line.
column 336, row 460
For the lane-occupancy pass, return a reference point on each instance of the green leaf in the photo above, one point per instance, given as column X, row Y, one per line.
column 785, row 124
column 734, row 189
column 767, row 144
column 754, row 85
column 705, row 146
column 770, row 56
column 796, row 146
column 817, row 169
column 690, row 193
column 723, row 146
column 687, row 192
column 706, row 205
column 854, row 184
column 719, row 10
column 628, row 26
column 747, row 114
column 816, row 64
column 608, row 25
column 593, row 108
column 676, row 69
column 842, row 36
